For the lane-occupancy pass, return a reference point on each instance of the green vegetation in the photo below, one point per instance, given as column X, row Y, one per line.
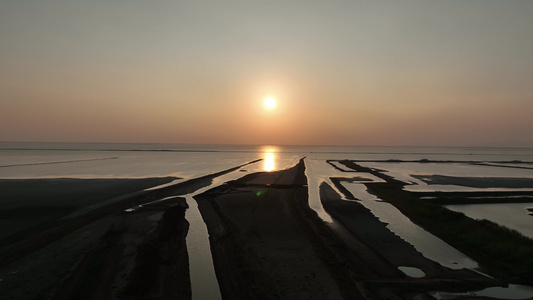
column 505, row 252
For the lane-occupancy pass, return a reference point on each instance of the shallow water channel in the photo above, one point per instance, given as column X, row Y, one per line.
column 318, row 171
column 204, row 283
column 513, row 215
column 429, row 245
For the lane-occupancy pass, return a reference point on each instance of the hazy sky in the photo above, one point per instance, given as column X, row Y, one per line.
column 439, row 73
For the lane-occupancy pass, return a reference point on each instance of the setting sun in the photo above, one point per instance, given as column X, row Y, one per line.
column 270, row 102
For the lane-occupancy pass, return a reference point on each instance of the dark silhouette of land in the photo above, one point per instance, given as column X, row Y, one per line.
column 266, row 242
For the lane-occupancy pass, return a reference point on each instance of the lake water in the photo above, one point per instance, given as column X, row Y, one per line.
column 97, row 160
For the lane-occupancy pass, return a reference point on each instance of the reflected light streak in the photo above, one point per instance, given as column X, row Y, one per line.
column 269, row 160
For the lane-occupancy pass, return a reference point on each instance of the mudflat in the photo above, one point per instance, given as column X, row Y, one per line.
column 263, row 245
column 99, row 239
column 266, row 243
column 30, row 206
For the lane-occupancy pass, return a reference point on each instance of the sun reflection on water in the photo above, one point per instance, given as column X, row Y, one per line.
column 269, row 159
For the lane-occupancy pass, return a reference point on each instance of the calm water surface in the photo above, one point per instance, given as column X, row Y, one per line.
column 520, row 221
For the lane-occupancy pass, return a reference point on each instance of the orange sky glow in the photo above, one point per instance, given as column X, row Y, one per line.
column 439, row 73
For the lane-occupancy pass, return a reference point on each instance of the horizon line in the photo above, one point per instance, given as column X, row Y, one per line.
column 267, row 144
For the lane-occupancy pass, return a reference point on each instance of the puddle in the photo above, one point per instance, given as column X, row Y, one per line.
column 412, row 272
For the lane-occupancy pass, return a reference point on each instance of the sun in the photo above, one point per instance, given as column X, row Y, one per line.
column 270, row 102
